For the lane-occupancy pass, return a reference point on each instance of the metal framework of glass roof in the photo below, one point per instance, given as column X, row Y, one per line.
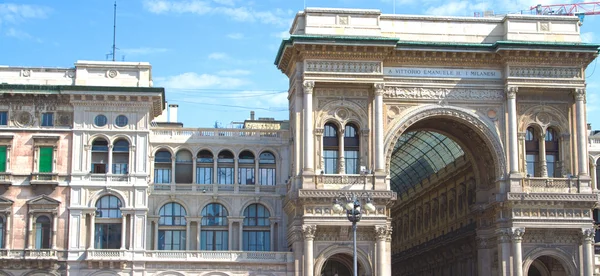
column 419, row 154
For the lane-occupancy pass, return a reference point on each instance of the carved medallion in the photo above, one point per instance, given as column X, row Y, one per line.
column 24, row 118
column 543, row 118
column 64, row 119
column 342, row 113
column 112, row 73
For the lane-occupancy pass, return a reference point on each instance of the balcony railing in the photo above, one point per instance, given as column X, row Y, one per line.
column 5, row 178
column 191, row 133
column 209, row 188
column 33, row 254
column 336, row 181
column 108, row 177
column 219, row 256
column 106, row 255
column 550, row 185
column 40, row 178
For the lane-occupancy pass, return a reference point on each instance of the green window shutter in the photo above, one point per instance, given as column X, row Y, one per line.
column 2, row 158
column 46, row 159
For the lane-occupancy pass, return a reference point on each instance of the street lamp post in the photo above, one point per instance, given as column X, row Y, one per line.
column 354, row 214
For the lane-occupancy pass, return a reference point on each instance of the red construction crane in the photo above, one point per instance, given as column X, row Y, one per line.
column 588, row 8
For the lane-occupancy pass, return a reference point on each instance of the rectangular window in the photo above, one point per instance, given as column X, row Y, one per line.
column 2, row 158
column 531, row 160
column 204, row 175
column 267, row 176
column 108, row 236
column 171, row 240
column 98, row 168
column 225, row 175
column 119, row 168
column 331, row 161
column 351, row 159
column 257, row 241
column 214, row 240
column 48, row 119
column 551, row 165
column 42, row 235
column 162, row 176
column 45, row 161
column 3, row 118
column 246, row 176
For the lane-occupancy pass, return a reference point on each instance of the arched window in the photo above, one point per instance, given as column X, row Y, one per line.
column 225, row 167
column 162, row 167
column 204, row 167
column 99, row 155
column 42, row 233
column 351, row 149
column 257, row 231
column 267, row 169
column 552, row 157
column 214, row 234
column 108, row 224
column 246, row 168
column 171, row 227
column 183, row 167
column 120, row 158
column 532, row 147
column 330, row 148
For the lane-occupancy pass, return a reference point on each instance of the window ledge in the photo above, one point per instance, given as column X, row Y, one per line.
column 44, row 179
column 6, row 178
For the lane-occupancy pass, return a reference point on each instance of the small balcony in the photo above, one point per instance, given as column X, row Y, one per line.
column 550, row 185
column 39, row 178
column 161, row 135
column 106, row 255
column 6, row 178
column 215, row 188
column 220, row 256
column 28, row 254
column 347, row 181
column 123, row 178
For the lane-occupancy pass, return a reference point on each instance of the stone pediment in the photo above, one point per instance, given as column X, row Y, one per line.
column 43, row 200
column 5, row 204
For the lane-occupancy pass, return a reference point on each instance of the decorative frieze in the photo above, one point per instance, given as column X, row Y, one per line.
column 419, row 93
column 334, row 66
column 545, row 72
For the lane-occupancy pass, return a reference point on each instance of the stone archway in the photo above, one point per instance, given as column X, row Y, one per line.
column 343, row 255
column 338, row 265
column 550, row 259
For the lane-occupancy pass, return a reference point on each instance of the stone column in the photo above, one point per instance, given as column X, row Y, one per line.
column 379, row 155
column 511, row 98
column 230, row 231
column 155, row 241
column 319, row 135
column 517, row 238
column 382, row 232
column 256, row 171
column 109, row 164
column 31, row 240
column 542, row 154
column 215, row 179
column 173, row 161
column 123, row 230
column 309, row 235
column 236, row 177
column 504, row 252
column 341, row 161
column 199, row 230
column 522, row 154
column 8, row 231
column 194, row 170
column 308, row 127
column 54, row 229
column 587, row 239
column 582, row 153
column 187, row 233
column 593, row 176
column 92, row 231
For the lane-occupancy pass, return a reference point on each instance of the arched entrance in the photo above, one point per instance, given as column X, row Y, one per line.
column 338, row 265
column 546, row 266
column 442, row 161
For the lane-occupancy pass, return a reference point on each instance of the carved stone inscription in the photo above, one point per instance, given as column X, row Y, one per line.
column 443, row 93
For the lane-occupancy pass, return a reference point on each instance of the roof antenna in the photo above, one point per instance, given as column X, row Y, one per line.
column 114, row 46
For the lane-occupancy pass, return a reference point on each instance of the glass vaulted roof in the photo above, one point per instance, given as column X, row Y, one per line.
column 419, row 154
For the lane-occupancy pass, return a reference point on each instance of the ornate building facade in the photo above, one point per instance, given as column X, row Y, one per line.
column 468, row 136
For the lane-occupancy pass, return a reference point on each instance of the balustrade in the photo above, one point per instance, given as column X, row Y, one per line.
column 209, row 188
column 550, row 185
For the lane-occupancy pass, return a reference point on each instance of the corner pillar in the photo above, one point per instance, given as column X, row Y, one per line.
column 309, row 236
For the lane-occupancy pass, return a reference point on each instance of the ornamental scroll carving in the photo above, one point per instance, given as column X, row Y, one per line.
column 383, row 232
column 343, row 66
column 309, row 231
column 442, row 93
column 545, row 72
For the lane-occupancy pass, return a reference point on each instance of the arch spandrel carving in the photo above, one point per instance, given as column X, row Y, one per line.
column 342, row 111
column 543, row 116
column 481, row 126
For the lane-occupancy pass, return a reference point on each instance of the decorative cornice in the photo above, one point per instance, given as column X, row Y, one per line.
column 552, row 197
column 419, row 93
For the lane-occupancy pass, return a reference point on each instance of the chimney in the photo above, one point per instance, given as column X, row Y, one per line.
column 589, row 126
column 251, row 115
column 173, row 113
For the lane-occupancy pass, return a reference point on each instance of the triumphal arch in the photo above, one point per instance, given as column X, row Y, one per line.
column 467, row 134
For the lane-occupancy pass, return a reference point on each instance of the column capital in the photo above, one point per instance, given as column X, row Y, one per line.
column 379, row 88
column 503, row 235
column 579, row 94
column 319, row 131
column 309, row 231
column 511, row 92
column 516, row 234
column 383, row 232
column 587, row 235
column 308, row 86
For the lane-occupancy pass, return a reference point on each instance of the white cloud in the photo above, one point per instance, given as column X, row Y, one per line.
column 143, row 51
column 587, row 37
column 191, row 80
column 20, row 34
column 226, row 7
column 14, row 13
column 236, row 35
column 218, row 56
column 234, row 72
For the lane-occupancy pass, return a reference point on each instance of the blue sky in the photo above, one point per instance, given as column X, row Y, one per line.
column 214, row 57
